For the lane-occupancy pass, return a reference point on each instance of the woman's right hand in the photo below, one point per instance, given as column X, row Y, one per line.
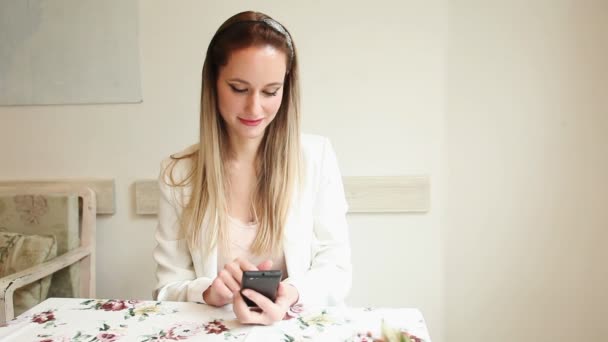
column 228, row 281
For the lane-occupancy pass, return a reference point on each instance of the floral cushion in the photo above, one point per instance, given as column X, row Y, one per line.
column 55, row 215
column 19, row 252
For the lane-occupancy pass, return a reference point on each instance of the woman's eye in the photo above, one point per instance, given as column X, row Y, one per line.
column 267, row 93
column 238, row 90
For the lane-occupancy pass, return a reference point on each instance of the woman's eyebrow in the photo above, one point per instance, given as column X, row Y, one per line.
column 247, row 83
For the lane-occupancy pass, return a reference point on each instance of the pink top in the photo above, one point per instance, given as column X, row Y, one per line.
column 241, row 237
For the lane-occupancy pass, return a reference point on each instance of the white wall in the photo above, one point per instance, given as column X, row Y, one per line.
column 372, row 79
column 526, row 228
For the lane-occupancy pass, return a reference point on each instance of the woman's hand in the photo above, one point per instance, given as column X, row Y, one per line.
column 287, row 295
column 228, row 281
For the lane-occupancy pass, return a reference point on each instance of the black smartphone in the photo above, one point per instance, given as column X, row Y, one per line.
column 263, row 282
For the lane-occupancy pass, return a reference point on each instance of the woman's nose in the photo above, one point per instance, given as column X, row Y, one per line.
column 254, row 105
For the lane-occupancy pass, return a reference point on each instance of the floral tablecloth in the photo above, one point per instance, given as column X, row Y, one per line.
column 80, row 320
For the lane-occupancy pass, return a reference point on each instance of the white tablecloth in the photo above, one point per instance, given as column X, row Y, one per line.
column 73, row 319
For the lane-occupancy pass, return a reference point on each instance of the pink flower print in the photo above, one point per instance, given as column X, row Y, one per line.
column 412, row 337
column 43, row 317
column 114, row 305
column 182, row 331
column 215, row 327
column 31, row 207
column 108, row 337
column 366, row 337
column 55, row 339
column 294, row 311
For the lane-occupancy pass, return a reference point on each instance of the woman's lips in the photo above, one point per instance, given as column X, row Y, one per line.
column 251, row 122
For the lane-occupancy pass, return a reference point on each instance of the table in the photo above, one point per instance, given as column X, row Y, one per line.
column 108, row 320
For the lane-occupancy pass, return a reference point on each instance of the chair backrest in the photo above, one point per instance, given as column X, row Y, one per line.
column 47, row 214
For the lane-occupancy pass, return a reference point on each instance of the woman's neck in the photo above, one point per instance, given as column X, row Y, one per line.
column 244, row 150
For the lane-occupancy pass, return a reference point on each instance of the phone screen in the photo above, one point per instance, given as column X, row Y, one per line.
column 263, row 282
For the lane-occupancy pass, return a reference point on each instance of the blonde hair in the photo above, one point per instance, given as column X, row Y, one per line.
column 278, row 164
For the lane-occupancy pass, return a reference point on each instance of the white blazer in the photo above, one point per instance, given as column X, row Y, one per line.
column 316, row 242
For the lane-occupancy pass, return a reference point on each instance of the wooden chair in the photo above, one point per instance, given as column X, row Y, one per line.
column 75, row 260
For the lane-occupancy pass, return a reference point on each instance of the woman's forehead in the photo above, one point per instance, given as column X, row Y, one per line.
column 256, row 65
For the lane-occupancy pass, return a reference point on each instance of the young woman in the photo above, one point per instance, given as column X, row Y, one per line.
column 254, row 193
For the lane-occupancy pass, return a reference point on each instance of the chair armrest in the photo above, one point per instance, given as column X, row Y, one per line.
column 10, row 283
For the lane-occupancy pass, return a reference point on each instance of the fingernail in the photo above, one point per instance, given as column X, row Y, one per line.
column 246, row 292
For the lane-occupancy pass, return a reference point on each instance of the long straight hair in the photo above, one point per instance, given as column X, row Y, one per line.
column 278, row 162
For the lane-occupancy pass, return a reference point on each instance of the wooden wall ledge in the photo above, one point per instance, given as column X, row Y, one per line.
column 392, row 194
column 104, row 190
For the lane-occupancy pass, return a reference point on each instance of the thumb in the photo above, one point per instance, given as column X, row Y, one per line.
column 265, row 265
column 282, row 296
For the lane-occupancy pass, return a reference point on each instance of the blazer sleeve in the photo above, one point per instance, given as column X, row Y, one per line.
column 329, row 278
column 175, row 274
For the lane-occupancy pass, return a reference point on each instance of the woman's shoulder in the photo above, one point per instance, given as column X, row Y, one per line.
column 313, row 145
column 186, row 152
column 177, row 167
column 317, row 151
column 319, row 160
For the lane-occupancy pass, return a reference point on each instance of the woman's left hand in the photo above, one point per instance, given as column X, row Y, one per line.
column 287, row 295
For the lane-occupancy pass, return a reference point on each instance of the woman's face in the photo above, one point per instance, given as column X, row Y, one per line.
column 250, row 89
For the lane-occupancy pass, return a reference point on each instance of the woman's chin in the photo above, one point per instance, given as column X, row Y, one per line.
column 251, row 133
